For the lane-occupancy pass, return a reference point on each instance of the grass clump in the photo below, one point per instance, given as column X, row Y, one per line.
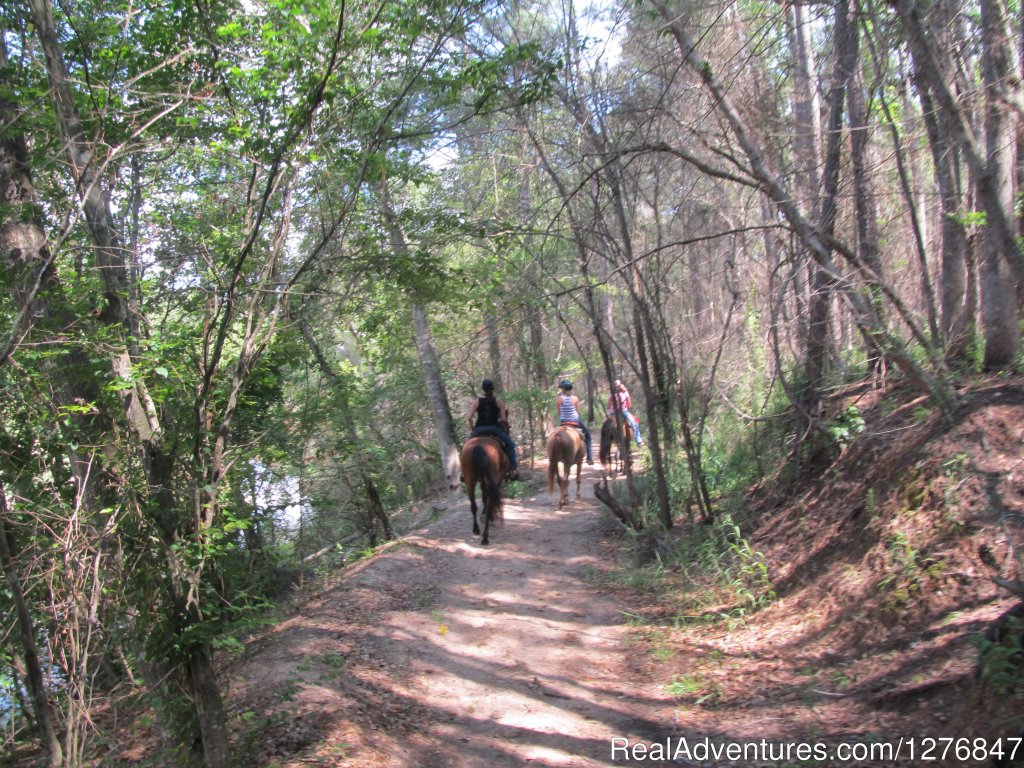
column 727, row 577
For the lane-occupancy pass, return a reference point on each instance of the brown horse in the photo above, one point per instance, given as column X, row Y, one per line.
column 484, row 461
column 566, row 447
column 621, row 442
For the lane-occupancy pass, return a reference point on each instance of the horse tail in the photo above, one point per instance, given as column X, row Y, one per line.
column 495, row 511
column 489, row 483
column 552, row 469
column 481, row 463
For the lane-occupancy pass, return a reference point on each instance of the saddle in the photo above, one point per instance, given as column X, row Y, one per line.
column 501, row 443
column 504, row 449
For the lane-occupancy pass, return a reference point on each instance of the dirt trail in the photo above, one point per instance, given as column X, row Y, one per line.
column 442, row 652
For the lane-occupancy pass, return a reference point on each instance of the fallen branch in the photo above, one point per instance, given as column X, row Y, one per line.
column 627, row 517
column 332, row 546
column 1016, row 586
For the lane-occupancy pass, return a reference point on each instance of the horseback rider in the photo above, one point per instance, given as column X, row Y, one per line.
column 492, row 419
column 568, row 413
column 621, row 394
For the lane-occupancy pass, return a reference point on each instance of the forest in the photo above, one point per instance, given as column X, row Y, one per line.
column 256, row 257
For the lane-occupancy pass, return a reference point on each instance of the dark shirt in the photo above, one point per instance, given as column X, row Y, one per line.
column 487, row 413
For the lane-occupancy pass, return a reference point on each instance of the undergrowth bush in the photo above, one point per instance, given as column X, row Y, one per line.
column 723, row 576
column 736, row 450
column 744, row 444
column 726, row 575
column 1001, row 662
column 711, row 572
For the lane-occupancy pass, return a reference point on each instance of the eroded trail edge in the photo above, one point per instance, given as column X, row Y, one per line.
column 440, row 651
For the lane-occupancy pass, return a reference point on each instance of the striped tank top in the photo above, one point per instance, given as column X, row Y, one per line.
column 566, row 410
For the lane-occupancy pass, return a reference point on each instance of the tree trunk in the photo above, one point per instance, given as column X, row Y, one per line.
column 537, row 362
column 27, row 259
column 1020, row 139
column 999, row 300
column 604, row 349
column 806, row 109
column 915, row 193
column 822, row 285
column 807, row 141
column 626, row 516
column 34, row 678
column 653, row 431
column 39, row 296
column 536, row 365
column 437, row 396
column 863, row 192
column 956, row 313
column 209, row 708
column 651, row 380
column 698, row 481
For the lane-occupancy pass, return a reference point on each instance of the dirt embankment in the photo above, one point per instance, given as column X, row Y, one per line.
column 887, row 624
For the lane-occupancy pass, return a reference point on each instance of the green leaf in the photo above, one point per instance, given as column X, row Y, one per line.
column 231, row 29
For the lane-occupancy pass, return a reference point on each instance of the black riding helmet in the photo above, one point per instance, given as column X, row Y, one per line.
column 566, row 384
column 487, row 385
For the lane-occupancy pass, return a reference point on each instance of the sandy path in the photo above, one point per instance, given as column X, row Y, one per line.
column 442, row 652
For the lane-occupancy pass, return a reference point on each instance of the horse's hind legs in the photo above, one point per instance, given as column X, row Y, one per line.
column 472, row 507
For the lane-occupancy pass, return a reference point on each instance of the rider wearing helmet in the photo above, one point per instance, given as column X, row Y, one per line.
column 568, row 413
column 492, row 419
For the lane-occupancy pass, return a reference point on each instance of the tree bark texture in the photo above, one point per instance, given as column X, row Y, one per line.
column 494, row 349
column 863, row 191
column 999, row 299
column 955, row 302
column 209, row 707
column 651, row 366
column 41, row 704
column 628, row 518
column 915, row 193
column 807, row 141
